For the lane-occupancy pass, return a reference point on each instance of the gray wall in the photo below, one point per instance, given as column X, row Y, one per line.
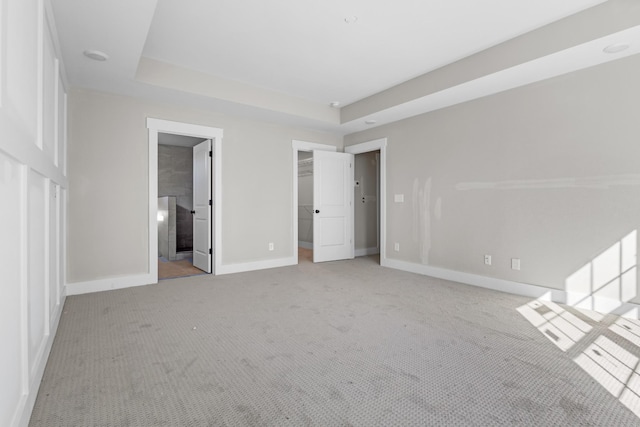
column 549, row 173
column 109, row 197
column 175, row 178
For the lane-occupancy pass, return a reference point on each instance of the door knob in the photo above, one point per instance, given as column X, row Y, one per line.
column 193, row 212
column 317, row 211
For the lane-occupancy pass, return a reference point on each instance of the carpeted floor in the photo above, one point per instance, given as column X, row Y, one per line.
column 334, row 344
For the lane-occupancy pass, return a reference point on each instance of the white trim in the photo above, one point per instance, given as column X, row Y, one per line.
column 257, row 265
column 156, row 126
column 47, row 257
column 24, row 278
column 305, row 245
column 310, row 146
column 55, row 41
column 186, row 129
column 217, row 204
column 366, row 251
column 297, row 146
column 40, row 76
column 585, row 301
column 153, row 207
column 28, row 400
column 3, row 60
column 366, row 147
column 109, row 284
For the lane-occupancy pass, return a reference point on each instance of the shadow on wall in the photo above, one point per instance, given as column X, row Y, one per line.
column 606, row 347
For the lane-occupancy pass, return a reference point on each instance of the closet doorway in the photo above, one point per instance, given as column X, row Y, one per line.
column 370, row 208
column 305, row 206
column 366, row 203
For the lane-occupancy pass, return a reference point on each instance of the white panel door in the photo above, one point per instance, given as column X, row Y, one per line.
column 332, row 206
column 202, row 201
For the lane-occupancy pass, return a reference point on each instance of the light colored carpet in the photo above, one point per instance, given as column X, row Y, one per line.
column 335, row 344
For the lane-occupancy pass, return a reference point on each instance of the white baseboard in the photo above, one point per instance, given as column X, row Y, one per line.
column 256, row 265
column 305, row 245
column 366, row 251
column 100, row 285
column 27, row 402
column 584, row 301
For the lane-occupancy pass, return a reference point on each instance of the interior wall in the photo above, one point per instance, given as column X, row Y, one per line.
column 256, row 177
column 175, row 178
column 546, row 173
column 305, row 199
column 33, row 191
column 366, row 202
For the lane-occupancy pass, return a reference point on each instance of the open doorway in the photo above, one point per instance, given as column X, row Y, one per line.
column 370, row 223
column 305, row 206
column 207, row 243
column 303, row 198
column 374, row 196
column 366, row 206
column 176, row 206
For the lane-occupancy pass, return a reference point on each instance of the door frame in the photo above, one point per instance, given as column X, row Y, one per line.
column 366, row 147
column 155, row 127
column 297, row 146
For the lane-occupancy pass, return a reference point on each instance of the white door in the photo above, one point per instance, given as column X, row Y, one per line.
column 332, row 206
column 202, row 202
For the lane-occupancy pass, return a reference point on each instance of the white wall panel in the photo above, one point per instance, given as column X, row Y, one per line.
column 21, row 66
column 49, row 101
column 11, row 357
column 36, row 231
column 61, row 142
column 54, row 251
column 32, row 217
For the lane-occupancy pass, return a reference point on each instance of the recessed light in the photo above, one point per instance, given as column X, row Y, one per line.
column 334, row 104
column 370, row 122
column 96, row 55
column 351, row 19
column 615, row 48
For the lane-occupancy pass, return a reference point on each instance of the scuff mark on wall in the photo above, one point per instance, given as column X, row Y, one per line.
column 593, row 182
column 437, row 210
column 415, row 225
column 425, row 220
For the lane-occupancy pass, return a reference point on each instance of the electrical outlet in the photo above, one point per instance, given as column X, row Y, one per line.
column 487, row 259
column 515, row 263
column 396, row 247
column 270, row 246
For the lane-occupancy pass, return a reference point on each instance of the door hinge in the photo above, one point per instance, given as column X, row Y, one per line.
column 210, row 153
column 210, row 202
column 210, row 251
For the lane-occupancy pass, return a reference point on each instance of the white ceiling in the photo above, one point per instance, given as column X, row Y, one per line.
column 302, row 51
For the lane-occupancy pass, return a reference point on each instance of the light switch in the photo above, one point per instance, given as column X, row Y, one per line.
column 398, row 198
